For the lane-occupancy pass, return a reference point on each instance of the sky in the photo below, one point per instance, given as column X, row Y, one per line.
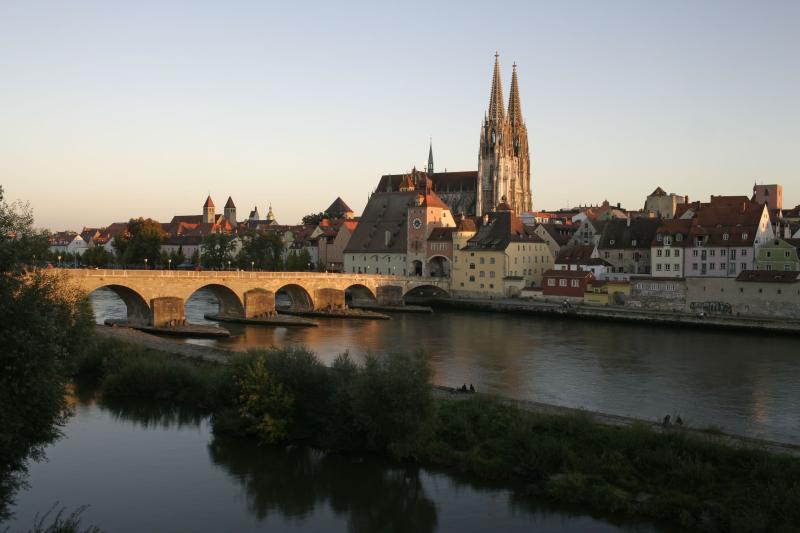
column 111, row 110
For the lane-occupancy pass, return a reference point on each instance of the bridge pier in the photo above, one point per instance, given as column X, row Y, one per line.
column 259, row 303
column 329, row 299
column 391, row 295
column 167, row 311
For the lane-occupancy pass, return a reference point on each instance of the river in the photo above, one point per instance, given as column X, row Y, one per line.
column 142, row 469
column 743, row 383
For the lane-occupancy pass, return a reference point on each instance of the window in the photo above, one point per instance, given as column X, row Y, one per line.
column 744, row 252
column 491, row 274
column 667, row 240
column 667, row 252
column 472, row 278
column 677, row 253
column 481, row 285
column 712, row 253
column 483, row 260
column 722, row 266
column 677, row 267
column 769, row 267
column 769, row 254
column 786, row 254
column 679, row 237
column 562, row 283
column 576, row 283
column 551, row 282
column 725, row 236
column 786, row 267
column 472, row 266
column 744, row 236
column 744, row 266
column 606, row 255
column 633, row 242
column 694, row 253
column 658, row 267
column 658, row 253
column 723, row 252
column 667, row 267
column 491, row 260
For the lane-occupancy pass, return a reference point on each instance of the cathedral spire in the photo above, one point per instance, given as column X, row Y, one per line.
column 514, row 108
column 430, row 158
column 496, row 111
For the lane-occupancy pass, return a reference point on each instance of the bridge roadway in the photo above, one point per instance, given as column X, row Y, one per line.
column 157, row 297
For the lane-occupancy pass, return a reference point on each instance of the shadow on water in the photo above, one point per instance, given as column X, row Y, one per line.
column 294, row 481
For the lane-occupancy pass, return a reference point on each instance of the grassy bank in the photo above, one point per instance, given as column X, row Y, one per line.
column 385, row 406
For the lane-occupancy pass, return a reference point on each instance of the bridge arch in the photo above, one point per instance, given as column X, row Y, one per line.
column 359, row 293
column 137, row 308
column 300, row 299
column 439, row 266
column 230, row 304
column 426, row 291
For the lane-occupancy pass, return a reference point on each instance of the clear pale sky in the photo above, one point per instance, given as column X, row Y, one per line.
column 110, row 110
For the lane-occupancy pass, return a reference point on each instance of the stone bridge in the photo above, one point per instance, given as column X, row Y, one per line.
column 157, row 297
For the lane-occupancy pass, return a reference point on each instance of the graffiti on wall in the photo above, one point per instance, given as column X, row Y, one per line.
column 722, row 308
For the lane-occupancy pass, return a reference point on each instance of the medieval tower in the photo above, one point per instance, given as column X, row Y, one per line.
column 503, row 160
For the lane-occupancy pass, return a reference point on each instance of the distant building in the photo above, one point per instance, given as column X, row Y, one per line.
column 625, row 244
column 668, row 248
column 566, row 283
column 557, row 236
column 769, row 195
column 503, row 257
column 779, row 255
column 65, row 242
column 664, row 205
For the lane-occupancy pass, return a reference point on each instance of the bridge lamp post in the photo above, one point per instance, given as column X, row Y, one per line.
column 252, row 266
column 229, row 265
column 59, row 261
column 145, row 263
column 169, row 264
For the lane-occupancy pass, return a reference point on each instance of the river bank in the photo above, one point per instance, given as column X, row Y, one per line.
column 621, row 314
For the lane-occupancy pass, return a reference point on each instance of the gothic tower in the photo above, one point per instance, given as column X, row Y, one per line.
column 230, row 211
column 430, row 158
column 503, row 160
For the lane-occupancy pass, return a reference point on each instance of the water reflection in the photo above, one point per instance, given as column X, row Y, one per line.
column 145, row 468
column 294, row 481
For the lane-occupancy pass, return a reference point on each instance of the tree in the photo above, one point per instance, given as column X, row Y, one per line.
column 141, row 240
column 298, row 261
column 313, row 218
column 96, row 256
column 216, row 250
column 45, row 324
column 262, row 251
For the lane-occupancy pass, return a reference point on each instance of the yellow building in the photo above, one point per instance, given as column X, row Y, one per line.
column 607, row 292
column 500, row 258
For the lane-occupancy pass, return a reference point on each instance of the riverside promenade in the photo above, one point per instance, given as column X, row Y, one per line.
column 620, row 313
column 215, row 355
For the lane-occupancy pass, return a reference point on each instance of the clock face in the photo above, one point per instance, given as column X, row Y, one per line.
column 417, row 223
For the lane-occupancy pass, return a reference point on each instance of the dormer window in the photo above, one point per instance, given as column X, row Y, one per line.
column 667, row 240
column 659, row 237
column 744, row 236
column 679, row 237
column 611, row 242
column 725, row 236
column 633, row 242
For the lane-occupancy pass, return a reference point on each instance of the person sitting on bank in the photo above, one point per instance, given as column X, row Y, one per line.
column 471, row 388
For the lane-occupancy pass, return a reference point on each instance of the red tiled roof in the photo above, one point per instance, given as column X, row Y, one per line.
column 209, row 202
column 441, row 234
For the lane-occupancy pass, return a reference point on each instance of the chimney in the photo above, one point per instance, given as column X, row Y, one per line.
column 619, row 205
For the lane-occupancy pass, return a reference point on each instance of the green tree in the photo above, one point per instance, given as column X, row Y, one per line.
column 141, row 240
column 45, row 324
column 96, row 256
column 313, row 218
column 217, row 250
column 262, row 251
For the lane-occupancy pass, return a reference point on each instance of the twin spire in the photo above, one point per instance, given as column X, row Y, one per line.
column 496, row 110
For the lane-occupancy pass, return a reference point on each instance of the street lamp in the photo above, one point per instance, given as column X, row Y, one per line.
column 59, row 261
column 252, row 266
column 169, row 264
column 229, row 265
column 145, row 263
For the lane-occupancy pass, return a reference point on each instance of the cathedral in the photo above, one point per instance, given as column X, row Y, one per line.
column 503, row 161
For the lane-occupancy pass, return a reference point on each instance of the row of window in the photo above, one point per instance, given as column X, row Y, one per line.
column 723, row 253
column 667, row 252
column 551, row 282
column 675, row 267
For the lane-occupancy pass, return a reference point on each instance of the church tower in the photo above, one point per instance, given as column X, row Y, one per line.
column 430, row 158
column 230, row 211
column 208, row 211
column 503, row 160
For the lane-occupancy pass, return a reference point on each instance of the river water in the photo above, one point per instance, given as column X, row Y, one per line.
column 744, row 383
column 141, row 469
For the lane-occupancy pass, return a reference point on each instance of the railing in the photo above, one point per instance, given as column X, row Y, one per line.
column 243, row 274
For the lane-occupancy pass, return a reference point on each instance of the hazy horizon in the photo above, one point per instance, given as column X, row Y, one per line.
column 114, row 110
